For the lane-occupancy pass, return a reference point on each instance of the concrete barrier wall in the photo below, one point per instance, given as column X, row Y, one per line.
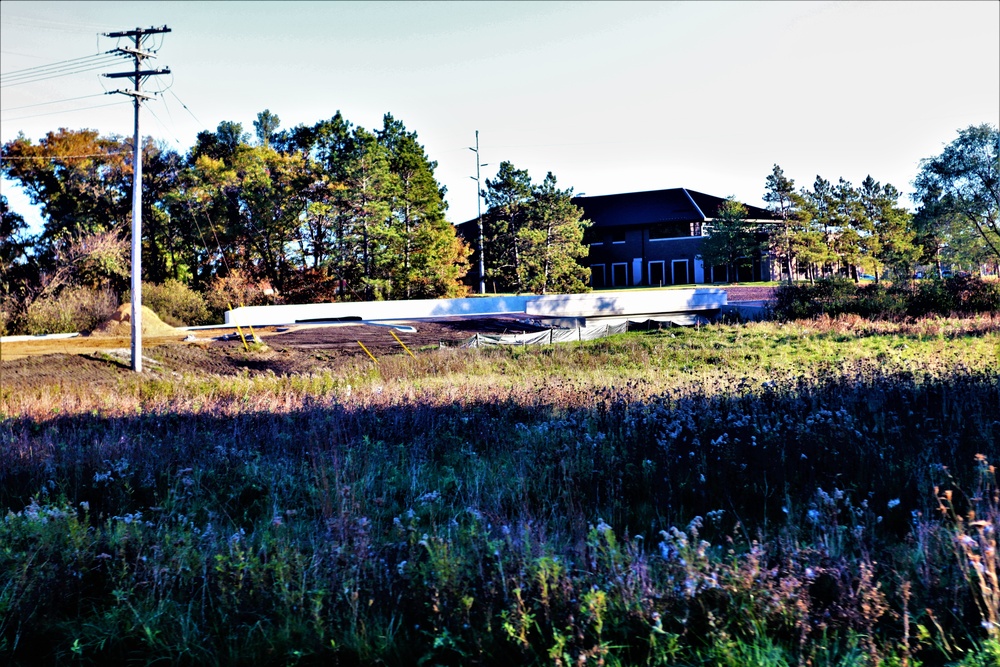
column 560, row 305
column 376, row 310
column 628, row 303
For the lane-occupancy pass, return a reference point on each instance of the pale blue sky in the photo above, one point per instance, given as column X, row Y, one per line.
column 611, row 97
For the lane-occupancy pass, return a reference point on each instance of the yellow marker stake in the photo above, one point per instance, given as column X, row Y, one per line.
column 242, row 337
column 401, row 343
column 367, row 352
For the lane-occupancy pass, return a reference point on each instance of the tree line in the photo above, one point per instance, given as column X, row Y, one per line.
column 322, row 212
column 838, row 229
column 333, row 211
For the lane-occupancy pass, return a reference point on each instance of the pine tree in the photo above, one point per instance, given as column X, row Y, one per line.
column 733, row 241
column 552, row 242
column 778, row 193
column 507, row 199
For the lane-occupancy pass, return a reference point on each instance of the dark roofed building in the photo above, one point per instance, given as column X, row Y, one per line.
column 653, row 238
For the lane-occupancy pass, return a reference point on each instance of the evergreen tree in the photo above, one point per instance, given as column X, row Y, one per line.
column 779, row 194
column 533, row 234
column 818, row 245
column 266, row 127
column 733, row 241
column 507, row 200
column 551, row 242
column 845, row 214
column 887, row 238
column 433, row 257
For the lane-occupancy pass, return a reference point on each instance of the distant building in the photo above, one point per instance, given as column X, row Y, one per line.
column 653, row 239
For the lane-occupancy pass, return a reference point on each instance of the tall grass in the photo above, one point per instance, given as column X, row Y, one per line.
column 645, row 499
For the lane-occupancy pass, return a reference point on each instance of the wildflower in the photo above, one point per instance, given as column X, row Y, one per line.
column 893, row 503
column 602, row 527
column 429, row 497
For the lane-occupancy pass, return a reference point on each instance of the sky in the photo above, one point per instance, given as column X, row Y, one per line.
column 609, row 97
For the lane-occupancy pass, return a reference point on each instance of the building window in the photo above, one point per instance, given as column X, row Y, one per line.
column 618, row 237
column 592, row 237
column 670, row 230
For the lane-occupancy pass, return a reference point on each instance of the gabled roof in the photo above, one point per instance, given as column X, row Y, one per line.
column 654, row 206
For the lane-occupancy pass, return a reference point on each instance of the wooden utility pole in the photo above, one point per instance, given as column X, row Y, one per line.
column 138, row 54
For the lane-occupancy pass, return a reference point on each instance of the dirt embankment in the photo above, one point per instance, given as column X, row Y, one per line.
column 120, row 324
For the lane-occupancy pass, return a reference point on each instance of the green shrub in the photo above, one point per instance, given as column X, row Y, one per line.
column 962, row 295
column 72, row 309
column 176, row 304
column 792, row 302
column 873, row 301
column 973, row 295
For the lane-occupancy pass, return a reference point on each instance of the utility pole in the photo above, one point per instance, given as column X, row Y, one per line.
column 479, row 218
column 138, row 54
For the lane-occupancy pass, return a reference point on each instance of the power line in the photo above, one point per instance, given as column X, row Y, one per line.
column 186, row 108
column 58, row 63
column 42, row 104
column 52, row 113
column 56, row 69
column 49, row 24
column 59, row 73
column 162, row 124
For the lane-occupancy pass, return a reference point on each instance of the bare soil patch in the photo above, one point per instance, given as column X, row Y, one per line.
column 102, row 360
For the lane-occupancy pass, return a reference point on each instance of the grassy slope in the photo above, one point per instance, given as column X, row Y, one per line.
column 486, row 506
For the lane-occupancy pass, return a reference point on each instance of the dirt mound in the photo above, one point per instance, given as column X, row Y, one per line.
column 121, row 324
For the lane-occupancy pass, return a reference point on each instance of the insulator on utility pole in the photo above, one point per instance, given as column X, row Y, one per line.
column 138, row 54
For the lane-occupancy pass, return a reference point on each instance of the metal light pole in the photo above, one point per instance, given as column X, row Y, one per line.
column 479, row 218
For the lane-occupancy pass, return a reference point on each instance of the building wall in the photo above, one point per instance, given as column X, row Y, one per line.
column 621, row 268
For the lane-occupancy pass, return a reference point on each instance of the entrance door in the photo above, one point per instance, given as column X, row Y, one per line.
column 597, row 279
column 656, row 274
column 680, row 271
column 745, row 273
column 619, row 275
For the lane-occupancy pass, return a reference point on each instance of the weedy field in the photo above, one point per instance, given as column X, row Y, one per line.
column 812, row 493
